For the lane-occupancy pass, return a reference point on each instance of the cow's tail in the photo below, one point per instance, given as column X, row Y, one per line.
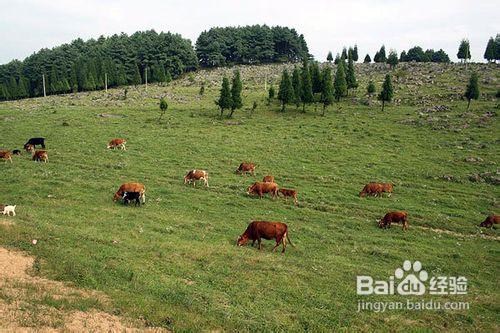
column 288, row 239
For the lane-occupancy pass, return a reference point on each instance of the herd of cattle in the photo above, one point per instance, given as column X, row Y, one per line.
column 256, row 230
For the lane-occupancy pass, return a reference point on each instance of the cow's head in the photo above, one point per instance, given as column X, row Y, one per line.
column 242, row 240
column 29, row 148
column 251, row 189
column 486, row 223
column 381, row 223
column 117, row 196
column 362, row 194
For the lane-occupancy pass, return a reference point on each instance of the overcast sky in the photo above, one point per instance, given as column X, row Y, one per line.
column 29, row 25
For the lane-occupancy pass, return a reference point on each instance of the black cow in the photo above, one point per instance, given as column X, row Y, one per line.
column 129, row 196
column 34, row 142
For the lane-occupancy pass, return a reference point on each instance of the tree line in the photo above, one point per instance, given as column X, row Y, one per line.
column 90, row 65
column 254, row 44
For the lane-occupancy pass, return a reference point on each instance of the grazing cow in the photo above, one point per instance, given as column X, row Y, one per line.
column 6, row 155
column 16, row 152
column 194, row 175
column 388, row 188
column 268, row 179
column 128, row 196
column 2, row 206
column 490, row 221
column 372, row 189
column 34, row 142
column 267, row 230
column 131, row 187
column 246, row 168
column 289, row 193
column 394, row 217
column 117, row 143
column 7, row 210
column 40, row 156
column 260, row 188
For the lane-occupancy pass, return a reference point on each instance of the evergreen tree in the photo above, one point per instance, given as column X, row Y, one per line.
column 380, row 55
column 307, row 93
column 392, row 59
column 136, row 78
column 490, row 52
column 367, row 59
column 163, row 107
column 351, row 76
column 464, row 51
column 402, row 57
column 272, row 92
column 472, row 89
column 370, row 89
column 387, row 91
column 355, row 55
column 236, row 87
column 285, row 93
column 315, row 78
column 337, row 59
column 349, row 53
column 329, row 57
column 297, row 86
column 22, row 90
column 224, row 102
column 340, row 83
column 327, row 88
column 497, row 47
column 344, row 54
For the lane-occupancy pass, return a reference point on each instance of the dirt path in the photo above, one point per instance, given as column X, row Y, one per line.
column 457, row 234
column 30, row 303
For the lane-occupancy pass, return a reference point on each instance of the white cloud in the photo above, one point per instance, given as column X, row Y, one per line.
column 28, row 25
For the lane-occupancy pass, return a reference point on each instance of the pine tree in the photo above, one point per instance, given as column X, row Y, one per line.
column 387, row 91
column 497, row 47
column 351, row 76
column 315, row 78
column 327, row 88
column 380, row 55
column 344, row 53
column 367, row 59
column 402, row 57
column 472, row 89
column 285, row 93
column 224, row 102
column 136, row 78
column 490, row 52
column 464, row 51
column 297, row 86
column 329, row 57
column 370, row 89
column 392, row 59
column 340, row 83
column 337, row 59
column 355, row 55
column 163, row 107
column 236, row 87
column 272, row 92
column 307, row 94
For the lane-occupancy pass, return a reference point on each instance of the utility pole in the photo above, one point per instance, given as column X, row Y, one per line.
column 146, row 76
column 265, row 83
column 43, row 80
column 106, row 82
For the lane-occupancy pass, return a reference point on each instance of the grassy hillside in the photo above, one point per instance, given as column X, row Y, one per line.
column 174, row 261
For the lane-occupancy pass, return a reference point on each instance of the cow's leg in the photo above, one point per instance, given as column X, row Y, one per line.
column 260, row 243
column 206, row 182
column 253, row 243
column 283, row 240
column 295, row 201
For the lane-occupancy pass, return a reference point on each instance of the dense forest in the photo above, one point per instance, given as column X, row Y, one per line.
column 82, row 65
column 250, row 45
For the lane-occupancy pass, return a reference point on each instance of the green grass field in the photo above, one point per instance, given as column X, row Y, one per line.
column 174, row 263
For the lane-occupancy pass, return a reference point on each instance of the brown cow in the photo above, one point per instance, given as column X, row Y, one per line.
column 490, row 221
column 194, row 175
column 267, row 230
column 117, row 143
column 268, row 179
column 376, row 189
column 394, row 217
column 289, row 193
column 40, row 156
column 246, row 168
column 260, row 188
column 6, row 155
column 131, row 187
